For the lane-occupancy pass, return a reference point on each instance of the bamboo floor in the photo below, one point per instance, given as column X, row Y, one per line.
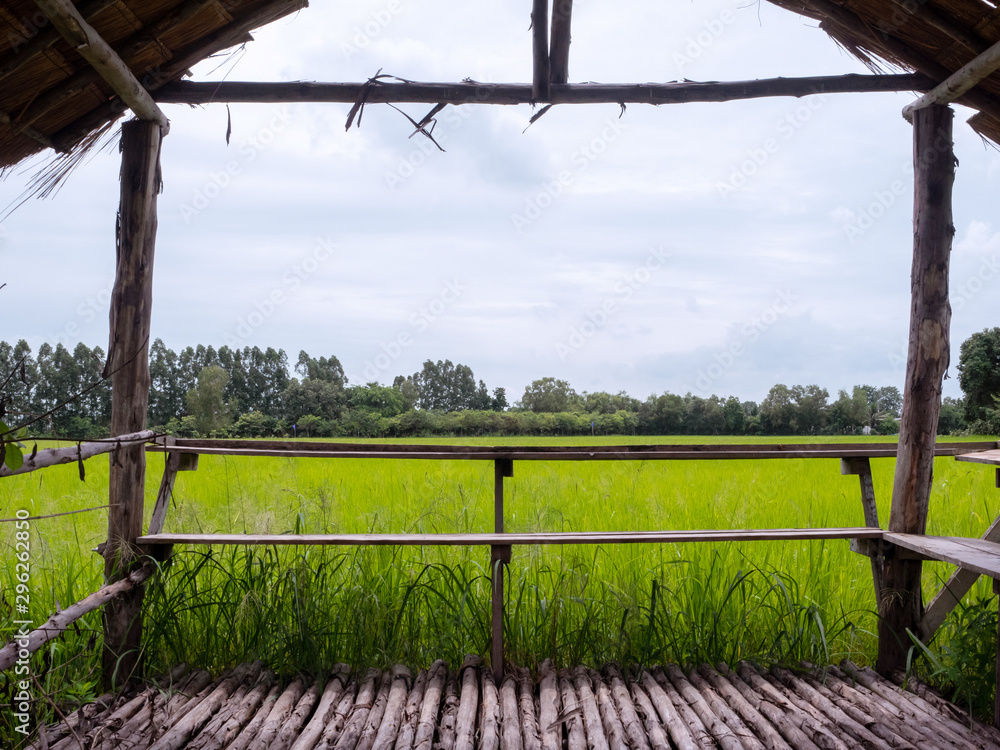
column 248, row 708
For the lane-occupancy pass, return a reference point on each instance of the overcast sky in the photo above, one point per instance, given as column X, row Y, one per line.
column 711, row 248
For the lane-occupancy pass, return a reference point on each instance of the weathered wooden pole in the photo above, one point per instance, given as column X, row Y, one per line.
column 900, row 602
column 128, row 363
column 499, row 558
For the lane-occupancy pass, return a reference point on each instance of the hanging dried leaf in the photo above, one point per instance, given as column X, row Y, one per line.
column 79, row 462
column 229, row 124
column 34, row 452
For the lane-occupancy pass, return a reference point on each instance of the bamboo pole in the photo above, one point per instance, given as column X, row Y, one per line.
column 190, row 92
column 55, row 456
column 86, row 41
column 128, row 361
column 900, row 602
column 60, row 621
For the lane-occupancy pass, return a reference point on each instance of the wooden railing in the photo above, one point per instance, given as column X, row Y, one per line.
column 855, row 459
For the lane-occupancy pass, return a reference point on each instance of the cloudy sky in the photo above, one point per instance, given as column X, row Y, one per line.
column 711, row 248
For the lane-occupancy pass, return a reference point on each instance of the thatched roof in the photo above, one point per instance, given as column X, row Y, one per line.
column 51, row 97
column 934, row 37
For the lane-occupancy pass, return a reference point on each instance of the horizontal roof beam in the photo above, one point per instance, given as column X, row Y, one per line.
column 83, row 38
column 472, row 92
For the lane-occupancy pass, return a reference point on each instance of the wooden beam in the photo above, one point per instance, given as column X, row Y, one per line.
column 86, row 41
column 128, row 360
column 57, row 623
column 237, row 32
column 926, row 362
column 562, row 14
column 74, row 453
column 959, row 82
column 540, row 50
column 189, row 92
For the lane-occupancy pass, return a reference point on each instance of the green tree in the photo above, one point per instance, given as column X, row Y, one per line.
column 443, row 386
column 777, row 410
column 499, row 400
column 322, row 398
column 326, row 369
column 734, row 416
column 979, row 373
column 377, row 399
column 661, row 415
column 811, row 408
column 550, row 395
column 206, row 401
column 166, row 397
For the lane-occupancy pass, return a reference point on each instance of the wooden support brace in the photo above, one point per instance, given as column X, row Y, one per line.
column 959, row 82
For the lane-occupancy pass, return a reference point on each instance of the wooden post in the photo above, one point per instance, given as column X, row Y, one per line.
column 128, row 363
column 540, row 51
column 863, row 468
column 499, row 557
column 562, row 14
column 900, row 601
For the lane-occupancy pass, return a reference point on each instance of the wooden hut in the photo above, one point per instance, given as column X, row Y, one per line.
column 70, row 72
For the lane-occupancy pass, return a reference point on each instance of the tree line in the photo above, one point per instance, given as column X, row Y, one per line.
column 250, row 392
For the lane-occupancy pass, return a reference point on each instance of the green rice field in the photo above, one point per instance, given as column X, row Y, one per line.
column 306, row 608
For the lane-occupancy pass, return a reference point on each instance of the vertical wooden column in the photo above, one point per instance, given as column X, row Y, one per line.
column 499, row 557
column 926, row 362
column 128, row 364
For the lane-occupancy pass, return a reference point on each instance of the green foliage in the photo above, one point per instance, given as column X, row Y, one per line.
column 206, row 401
column 550, row 395
column 11, row 454
column 964, row 656
column 979, row 374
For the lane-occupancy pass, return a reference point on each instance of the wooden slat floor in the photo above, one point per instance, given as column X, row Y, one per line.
column 250, row 709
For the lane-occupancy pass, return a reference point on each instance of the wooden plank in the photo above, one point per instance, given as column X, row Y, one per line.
column 208, row 92
column 977, row 555
column 267, row 448
column 991, row 457
column 900, row 602
column 961, row 581
column 502, row 540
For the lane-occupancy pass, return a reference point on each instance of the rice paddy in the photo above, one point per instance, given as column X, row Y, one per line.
column 304, row 609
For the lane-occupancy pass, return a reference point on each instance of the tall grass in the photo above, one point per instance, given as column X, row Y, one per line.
column 306, row 608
